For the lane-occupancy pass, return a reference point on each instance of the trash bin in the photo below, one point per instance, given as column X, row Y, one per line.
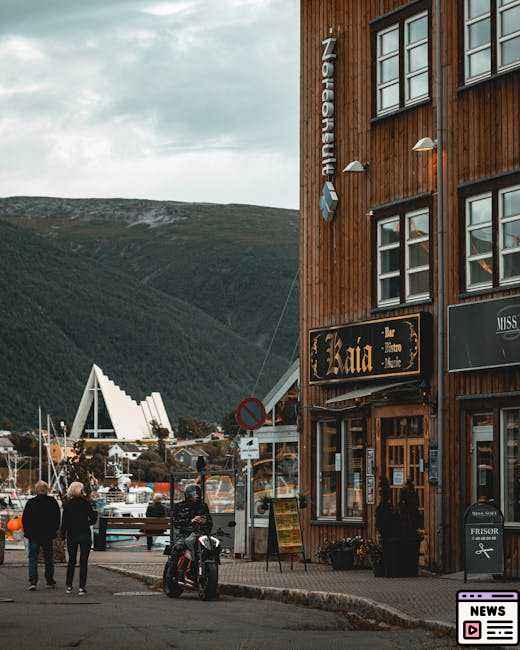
column 2, row 545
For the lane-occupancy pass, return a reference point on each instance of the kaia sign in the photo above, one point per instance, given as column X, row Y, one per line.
column 329, row 198
column 392, row 347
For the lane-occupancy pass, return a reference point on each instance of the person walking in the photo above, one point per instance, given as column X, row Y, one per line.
column 155, row 509
column 41, row 523
column 78, row 517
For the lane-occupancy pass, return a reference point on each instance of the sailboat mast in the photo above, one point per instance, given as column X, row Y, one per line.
column 39, row 443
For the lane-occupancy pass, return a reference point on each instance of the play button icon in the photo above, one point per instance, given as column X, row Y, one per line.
column 472, row 629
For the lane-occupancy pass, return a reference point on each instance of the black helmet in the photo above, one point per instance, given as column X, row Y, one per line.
column 193, row 492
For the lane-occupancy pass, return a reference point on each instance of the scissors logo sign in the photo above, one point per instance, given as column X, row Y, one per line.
column 486, row 551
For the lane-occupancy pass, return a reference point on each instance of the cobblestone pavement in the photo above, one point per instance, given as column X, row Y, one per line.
column 431, row 598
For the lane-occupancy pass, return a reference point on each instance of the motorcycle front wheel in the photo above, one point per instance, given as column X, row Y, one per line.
column 208, row 582
column 170, row 585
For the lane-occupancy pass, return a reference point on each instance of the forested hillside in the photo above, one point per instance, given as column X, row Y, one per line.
column 180, row 298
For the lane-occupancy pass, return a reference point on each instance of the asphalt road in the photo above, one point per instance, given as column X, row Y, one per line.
column 120, row 612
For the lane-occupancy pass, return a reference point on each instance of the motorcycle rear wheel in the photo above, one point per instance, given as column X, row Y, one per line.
column 208, row 583
column 170, row 586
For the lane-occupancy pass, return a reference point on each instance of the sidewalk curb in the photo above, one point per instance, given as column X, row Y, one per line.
column 315, row 599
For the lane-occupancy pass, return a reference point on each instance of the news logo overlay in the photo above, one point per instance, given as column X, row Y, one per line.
column 487, row 618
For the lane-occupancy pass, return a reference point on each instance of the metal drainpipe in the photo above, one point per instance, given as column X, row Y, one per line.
column 440, row 274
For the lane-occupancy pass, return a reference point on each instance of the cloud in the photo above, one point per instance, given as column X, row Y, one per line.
column 139, row 98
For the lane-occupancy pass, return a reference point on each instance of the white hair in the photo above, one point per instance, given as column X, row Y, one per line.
column 75, row 490
column 41, row 487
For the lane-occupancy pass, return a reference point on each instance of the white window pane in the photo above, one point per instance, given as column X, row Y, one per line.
column 389, row 96
column 481, row 271
column 511, row 51
column 511, row 464
column 418, row 255
column 389, row 42
column 418, row 57
column 419, row 225
column 511, row 203
column 511, row 234
column 419, row 283
column 389, row 69
column 480, row 62
column 390, row 260
column 478, row 7
column 479, row 33
column 511, row 266
column 480, row 241
column 389, row 233
column 418, row 86
column 390, row 288
column 510, row 21
column 417, row 30
column 480, row 211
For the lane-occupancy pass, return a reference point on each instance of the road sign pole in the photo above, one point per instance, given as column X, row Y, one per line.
column 251, row 510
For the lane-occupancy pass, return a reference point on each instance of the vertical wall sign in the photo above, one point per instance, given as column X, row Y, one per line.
column 329, row 198
column 370, row 476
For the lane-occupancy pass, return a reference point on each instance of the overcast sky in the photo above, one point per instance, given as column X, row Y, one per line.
column 189, row 100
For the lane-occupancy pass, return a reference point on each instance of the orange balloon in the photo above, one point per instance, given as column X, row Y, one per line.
column 14, row 524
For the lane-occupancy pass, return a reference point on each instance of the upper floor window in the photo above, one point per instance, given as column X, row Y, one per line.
column 491, row 37
column 402, row 63
column 492, row 225
column 403, row 258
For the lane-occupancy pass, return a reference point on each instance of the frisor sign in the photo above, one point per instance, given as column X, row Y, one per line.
column 483, row 539
column 391, row 347
column 493, row 343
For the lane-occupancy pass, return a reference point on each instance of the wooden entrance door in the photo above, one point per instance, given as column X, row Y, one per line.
column 405, row 459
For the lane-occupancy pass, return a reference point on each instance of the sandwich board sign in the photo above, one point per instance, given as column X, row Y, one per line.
column 483, row 540
column 249, row 448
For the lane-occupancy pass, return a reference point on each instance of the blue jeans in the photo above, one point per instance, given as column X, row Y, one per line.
column 34, row 547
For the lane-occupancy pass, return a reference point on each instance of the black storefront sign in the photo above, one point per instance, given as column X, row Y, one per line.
column 483, row 540
column 391, row 347
column 484, row 334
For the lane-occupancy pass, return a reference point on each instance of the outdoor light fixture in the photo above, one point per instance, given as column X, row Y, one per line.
column 425, row 144
column 355, row 167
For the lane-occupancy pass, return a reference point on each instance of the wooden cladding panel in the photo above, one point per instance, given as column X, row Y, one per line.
column 482, row 139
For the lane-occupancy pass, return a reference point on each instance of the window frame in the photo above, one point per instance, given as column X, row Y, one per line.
column 482, row 256
column 402, row 210
column 340, row 516
column 400, row 18
column 502, row 465
column 380, row 58
column 497, row 39
column 496, row 186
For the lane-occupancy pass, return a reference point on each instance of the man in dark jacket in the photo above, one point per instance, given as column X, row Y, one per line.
column 155, row 509
column 41, row 522
column 191, row 518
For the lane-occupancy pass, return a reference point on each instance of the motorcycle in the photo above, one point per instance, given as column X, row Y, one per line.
column 199, row 573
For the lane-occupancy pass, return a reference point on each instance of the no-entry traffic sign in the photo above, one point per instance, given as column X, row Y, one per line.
column 250, row 414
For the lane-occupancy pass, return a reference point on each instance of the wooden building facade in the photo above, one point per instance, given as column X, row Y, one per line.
column 369, row 281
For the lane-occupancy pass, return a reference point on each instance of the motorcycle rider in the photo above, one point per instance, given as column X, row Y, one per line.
column 191, row 518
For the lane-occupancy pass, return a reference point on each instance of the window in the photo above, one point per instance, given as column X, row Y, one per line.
column 491, row 37
column 492, row 246
column 510, row 479
column 340, row 466
column 275, row 473
column 353, row 462
column 403, row 275
column 402, row 55
column 328, row 446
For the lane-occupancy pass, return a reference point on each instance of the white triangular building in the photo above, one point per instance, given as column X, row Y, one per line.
column 129, row 420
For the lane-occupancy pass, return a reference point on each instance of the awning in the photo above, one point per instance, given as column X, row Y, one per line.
column 372, row 390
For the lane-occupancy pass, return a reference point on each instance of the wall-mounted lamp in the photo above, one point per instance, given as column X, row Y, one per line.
column 425, row 144
column 355, row 167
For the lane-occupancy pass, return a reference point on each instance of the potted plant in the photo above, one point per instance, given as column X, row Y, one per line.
column 374, row 552
column 338, row 552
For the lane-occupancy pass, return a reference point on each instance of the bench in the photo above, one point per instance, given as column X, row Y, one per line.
column 144, row 526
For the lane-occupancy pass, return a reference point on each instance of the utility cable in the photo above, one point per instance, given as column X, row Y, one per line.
column 275, row 331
